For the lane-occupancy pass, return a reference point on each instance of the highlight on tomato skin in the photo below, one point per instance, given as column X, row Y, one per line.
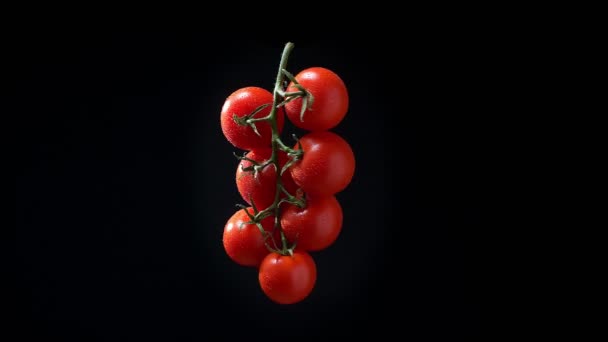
column 330, row 103
column 242, row 102
column 243, row 242
column 316, row 226
column 327, row 166
column 287, row 279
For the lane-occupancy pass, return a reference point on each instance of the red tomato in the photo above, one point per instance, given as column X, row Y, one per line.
column 314, row 227
column 327, row 166
column 244, row 243
column 287, row 279
column 262, row 188
column 243, row 102
column 330, row 100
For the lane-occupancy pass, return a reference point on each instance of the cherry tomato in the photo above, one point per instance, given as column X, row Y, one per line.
column 314, row 227
column 262, row 187
column 287, row 279
column 242, row 102
column 244, row 242
column 330, row 100
column 327, row 166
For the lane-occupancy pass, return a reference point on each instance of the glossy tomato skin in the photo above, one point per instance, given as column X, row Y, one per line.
column 287, row 279
column 314, row 227
column 244, row 243
column 327, row 166
column 330, row 100
column 262, row 188
column 243, row 102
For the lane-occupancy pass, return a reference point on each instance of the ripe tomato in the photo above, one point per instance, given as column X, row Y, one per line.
column 327, row 166
column 314, row 227
column 244, row 243
column 243, row 102
column 262, row 187
column 287, row 279
column 330, row 100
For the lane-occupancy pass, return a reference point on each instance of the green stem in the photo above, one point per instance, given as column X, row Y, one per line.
column 278, row 99
column 277, row 144
column 264, row 118
column 283, row 147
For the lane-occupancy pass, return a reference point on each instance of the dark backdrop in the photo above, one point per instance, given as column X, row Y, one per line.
column 125, row 181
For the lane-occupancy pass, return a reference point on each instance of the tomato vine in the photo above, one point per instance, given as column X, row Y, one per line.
column 280, row 99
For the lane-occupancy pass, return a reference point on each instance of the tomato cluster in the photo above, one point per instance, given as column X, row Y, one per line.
column 290, row 191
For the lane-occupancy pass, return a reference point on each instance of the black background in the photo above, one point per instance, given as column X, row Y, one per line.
column 125, row 181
